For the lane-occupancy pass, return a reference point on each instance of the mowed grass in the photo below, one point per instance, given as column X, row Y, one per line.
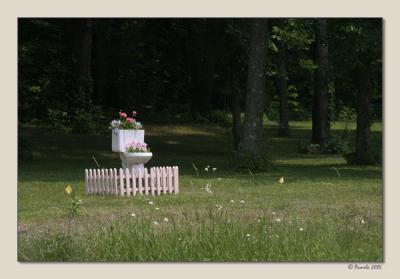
column 326, row 210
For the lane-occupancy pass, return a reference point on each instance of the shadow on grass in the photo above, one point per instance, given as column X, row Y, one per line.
column 64, row 157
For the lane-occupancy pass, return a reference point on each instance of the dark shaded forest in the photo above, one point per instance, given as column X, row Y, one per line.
column 76, row 74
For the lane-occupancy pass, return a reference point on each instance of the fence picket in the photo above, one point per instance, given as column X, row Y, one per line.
column 115, row 182
column 169, row 179
column 121, row 182
column 140, row 182
column 146, row 182
column 159, row 185
column 106, row 181
column 127, row 182
column 90, row 181
column 176, row 179
column 152, row 181
column 134, row 184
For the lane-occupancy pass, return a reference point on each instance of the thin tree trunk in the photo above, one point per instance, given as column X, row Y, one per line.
column 283, row 91
column 236, row 118
column 363, row 133
column 255, row 98
column 320, row 117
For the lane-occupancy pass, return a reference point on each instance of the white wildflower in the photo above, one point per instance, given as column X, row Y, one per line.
column 206, row 169
column 259, row 220
column 157, row 208
column 301, row 229
column 232, row 201
column 290, row 222
column 151, row 203
column 155, row 223
column 273, row 213
column 242, row 201
column 165, row 219
column 219, row 179
column 248, row 235
column 362, row 221
column 133, row 215
column 214, row 169
column 278, row 220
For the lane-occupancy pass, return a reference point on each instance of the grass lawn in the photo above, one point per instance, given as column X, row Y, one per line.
column 326, row 210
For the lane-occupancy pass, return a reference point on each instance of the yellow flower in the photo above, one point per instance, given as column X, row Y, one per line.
column 281, row 181
column 68, row 189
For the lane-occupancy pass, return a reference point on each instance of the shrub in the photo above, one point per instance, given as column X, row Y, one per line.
column 309, row 148
column 246, row 162
column 58, row 121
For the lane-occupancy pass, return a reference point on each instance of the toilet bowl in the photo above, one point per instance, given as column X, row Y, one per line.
column 135, row 160
column 130, row 160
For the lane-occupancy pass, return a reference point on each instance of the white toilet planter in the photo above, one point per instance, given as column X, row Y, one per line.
column 132, row 179
column 130, row 160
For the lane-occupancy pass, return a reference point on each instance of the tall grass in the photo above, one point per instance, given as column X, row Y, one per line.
column 212, row 234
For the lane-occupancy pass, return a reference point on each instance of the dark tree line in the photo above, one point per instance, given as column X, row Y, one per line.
column 76, row 71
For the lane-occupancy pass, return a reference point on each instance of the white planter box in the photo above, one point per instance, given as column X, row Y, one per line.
column 120, row 138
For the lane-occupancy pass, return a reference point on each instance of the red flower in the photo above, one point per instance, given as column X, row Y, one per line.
column 122, row 115
column 130, row 120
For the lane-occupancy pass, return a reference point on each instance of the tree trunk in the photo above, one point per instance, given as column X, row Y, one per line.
column 363, row 134
column 255, row 98
column 80, row 32
column 320, row 117
column 283, row 91
column 236, row 118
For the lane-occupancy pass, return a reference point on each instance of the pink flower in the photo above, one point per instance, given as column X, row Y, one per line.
column 130, row 120
column 134, row 113
column 122, row 115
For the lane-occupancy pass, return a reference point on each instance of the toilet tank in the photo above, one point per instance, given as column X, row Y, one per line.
column 120, row 138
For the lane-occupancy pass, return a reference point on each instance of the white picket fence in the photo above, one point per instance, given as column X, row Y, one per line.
column 160, row 180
